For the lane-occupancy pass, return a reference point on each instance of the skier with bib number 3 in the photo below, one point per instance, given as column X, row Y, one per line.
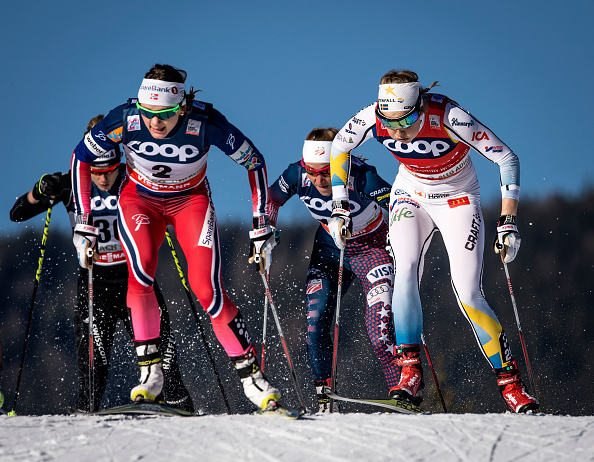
column 110, row 279
column 437, row 189
column 166, row 136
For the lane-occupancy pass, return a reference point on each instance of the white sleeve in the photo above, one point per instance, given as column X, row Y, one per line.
column 355, row 132
column 466, row 128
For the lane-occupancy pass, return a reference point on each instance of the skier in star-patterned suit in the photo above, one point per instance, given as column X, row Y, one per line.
column 365, row 254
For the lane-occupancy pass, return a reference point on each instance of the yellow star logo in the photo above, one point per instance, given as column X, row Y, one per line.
column 390, row 90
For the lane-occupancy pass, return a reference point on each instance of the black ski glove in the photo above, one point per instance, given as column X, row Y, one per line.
column 48, row 185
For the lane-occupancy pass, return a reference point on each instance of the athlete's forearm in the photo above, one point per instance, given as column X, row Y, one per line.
column 509, row 207
column 25, row 209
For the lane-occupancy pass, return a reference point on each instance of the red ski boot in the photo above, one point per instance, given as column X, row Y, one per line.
column 513, row 389
column 410, row 385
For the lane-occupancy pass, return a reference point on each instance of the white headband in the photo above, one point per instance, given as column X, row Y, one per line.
column 160, row 93
column 316, row 152
column 398, row 96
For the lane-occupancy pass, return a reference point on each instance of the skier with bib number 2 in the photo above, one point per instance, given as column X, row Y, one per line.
column 436, row 189
column 166, row 136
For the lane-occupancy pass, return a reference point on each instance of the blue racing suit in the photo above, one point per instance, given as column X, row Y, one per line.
column 365, row 257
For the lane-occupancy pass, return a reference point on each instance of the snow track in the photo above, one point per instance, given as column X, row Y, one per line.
column 337, row 437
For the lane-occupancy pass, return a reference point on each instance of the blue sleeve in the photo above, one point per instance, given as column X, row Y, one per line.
column 229, row 139
column 370, row 184
column 285, row 185
column 103, row 137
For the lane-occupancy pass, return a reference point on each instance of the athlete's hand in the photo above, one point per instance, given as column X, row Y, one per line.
column 263, row 238
column 84, row 238
column 340, row 224
column 48, row 185
column 507, row 241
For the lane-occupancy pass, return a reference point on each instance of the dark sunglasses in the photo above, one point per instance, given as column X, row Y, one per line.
column 398, row 123
column 316, row 172
column 162, row 115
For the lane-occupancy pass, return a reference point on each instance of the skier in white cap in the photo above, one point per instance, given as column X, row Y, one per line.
column 436, row 189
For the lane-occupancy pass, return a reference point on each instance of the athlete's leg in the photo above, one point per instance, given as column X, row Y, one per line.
column 374, row 267
column 321, row 291
column 463, row 233
column 142, row 223
column 198, row 234
column 411, row 230
column 142, row 229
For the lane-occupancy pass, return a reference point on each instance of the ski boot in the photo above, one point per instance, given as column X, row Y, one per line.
column 255, row 384
column 151, row 372
column 513, row 389
column 410, row 385
column 323, row 400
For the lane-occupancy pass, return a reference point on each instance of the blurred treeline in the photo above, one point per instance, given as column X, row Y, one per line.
column 552, row 281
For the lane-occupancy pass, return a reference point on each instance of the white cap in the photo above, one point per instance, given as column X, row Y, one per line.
column 398, row 96
column 160, row 93
column 316, row 152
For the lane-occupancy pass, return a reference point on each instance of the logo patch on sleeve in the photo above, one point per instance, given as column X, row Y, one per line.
column 116, row 135
column 92, row 145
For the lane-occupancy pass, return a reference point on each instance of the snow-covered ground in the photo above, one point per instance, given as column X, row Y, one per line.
column 335, row 437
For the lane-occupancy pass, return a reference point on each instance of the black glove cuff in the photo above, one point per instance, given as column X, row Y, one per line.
column 507, row 220
column 343, row 204
column 260, row 222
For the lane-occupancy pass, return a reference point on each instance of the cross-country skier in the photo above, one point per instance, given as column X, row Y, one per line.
column 436, row 189
column 166, row 136
column 365, row 254
column 110, row 278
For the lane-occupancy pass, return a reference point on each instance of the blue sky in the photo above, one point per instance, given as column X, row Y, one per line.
column 279, row 69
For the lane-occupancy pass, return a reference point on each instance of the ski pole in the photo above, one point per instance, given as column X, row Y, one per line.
column 30, row 319
column 524, row 349
column 443, row 404
column 197, row 319
column 264, row 328
column 336, row 327
column 284, row 344
column 91, row 335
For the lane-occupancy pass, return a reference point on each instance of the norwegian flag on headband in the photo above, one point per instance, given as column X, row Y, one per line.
column 155, row 96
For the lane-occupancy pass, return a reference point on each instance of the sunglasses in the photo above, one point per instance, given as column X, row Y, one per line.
column 104, row 171
column 398, row 123
column 162, row 115
column 316, row 172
